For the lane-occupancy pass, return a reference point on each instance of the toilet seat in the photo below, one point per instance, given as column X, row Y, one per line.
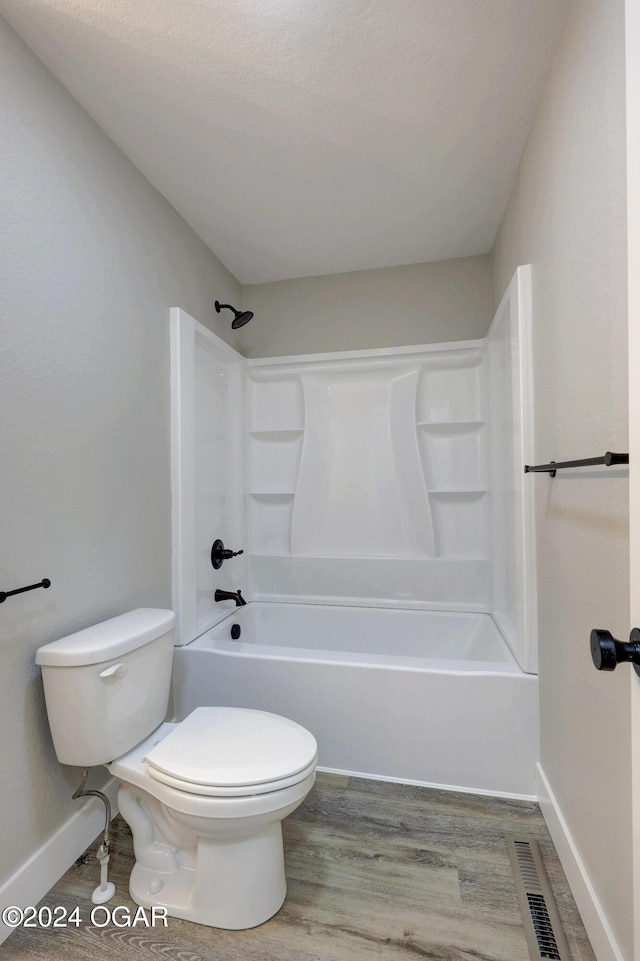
column 206, row 790
column 233, row 752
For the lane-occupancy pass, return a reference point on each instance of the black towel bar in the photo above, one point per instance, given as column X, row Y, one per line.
column 608, row 460
column 20, row 590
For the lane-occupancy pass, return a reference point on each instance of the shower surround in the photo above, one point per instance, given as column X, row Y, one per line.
column 378, row 495
column 367, row 479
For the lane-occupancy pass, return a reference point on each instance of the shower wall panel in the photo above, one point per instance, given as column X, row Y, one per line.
column 207, row 471
column 509, row 373
column 367, row 478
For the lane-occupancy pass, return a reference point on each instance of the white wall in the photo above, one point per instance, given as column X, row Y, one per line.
column 92, row 260
column 390, row 307
column 566, row 217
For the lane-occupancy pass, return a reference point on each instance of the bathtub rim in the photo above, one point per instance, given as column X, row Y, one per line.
column 508, row 667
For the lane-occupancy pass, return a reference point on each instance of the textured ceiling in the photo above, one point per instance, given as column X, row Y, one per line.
column 303, row 137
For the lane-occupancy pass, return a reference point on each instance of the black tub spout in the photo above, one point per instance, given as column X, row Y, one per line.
column 230, row 596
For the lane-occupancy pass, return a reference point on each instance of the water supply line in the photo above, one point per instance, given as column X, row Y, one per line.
column 106, row 889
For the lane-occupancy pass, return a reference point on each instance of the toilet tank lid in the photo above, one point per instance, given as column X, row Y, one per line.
column 107, row 640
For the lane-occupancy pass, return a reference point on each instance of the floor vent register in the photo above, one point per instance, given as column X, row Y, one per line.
column 543, row 930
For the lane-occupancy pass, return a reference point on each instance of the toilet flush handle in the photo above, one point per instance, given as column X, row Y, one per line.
column 114, row 670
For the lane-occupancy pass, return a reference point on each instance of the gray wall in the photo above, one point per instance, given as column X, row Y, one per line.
column 567, row 217
column 389, row 307
column 92, row 260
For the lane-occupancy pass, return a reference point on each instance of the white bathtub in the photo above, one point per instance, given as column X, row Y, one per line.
column 423, row 697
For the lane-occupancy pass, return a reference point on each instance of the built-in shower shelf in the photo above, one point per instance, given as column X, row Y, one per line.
column 463, row 558
column 286, row 554
column 450, row 426
column 459, row 492
column 461, row 522
column 285, row 433
column 269, row 520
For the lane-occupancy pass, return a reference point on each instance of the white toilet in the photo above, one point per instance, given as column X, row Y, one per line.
column 204, row 798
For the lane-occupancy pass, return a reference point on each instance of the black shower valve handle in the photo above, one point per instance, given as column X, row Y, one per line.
column 220, row 553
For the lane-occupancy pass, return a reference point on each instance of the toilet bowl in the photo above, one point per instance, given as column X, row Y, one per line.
column 212, row 852
column 204, row 797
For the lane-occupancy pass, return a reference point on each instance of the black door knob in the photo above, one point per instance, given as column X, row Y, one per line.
column 607, row 652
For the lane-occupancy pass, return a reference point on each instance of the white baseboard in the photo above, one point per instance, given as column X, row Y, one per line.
column 39, row 873
column 595, row 921
column 483, row 792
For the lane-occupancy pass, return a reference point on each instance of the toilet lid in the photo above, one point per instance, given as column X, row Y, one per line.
column 233, row 747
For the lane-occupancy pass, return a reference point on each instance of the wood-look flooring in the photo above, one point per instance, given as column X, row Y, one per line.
column 375, row 870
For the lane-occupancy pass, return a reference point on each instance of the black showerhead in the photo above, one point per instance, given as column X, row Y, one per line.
column 241, row 317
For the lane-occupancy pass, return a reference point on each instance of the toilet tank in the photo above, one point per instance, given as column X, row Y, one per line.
column 107, row 687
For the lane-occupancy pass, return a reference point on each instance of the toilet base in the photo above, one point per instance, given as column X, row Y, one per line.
column 239, row 885
column 232, row 882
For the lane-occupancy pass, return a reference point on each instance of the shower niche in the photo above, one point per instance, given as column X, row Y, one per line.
column 452, row 442
column 369, row 477
column 275, row 435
